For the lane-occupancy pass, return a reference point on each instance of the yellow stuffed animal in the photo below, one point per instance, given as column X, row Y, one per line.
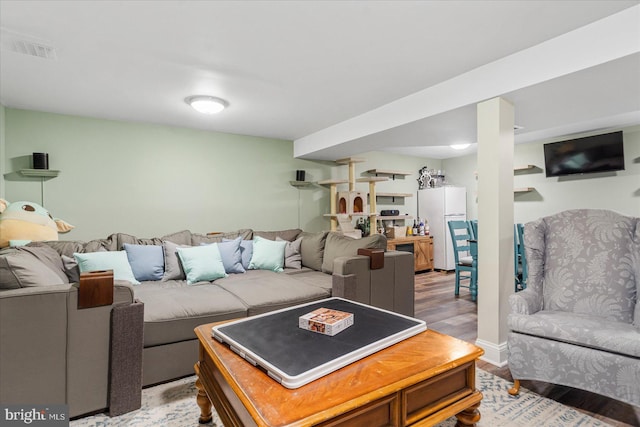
column 28, row 221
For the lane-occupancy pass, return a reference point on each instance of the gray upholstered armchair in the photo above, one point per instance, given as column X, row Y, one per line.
column 578, row 321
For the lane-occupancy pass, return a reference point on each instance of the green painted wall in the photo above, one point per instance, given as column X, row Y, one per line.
column 618, row 191
column 3, row 156
column 149, row 180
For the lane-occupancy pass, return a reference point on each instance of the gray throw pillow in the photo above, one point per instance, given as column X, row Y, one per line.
column 338, row 245
column 312, row 249
column 181, row 237
column 292, row 257
column 71, row 268
column 172, row 266
column 198, row 239
column 20, row 269
column 288, row 235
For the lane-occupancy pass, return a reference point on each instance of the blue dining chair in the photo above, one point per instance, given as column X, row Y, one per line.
column 521, row 256
column 465, row 253
column 473, row 223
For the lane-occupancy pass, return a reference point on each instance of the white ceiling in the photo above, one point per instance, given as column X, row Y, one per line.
column 301, row 70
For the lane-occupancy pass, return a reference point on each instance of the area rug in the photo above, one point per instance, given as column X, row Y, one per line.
column 174, row 405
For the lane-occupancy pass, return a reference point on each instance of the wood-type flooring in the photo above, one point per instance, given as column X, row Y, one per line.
column 436, row 304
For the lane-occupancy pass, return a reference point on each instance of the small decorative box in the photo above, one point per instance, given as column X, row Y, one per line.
column 326, row 321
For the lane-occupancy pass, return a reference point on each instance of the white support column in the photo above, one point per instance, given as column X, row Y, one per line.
column 495, row 226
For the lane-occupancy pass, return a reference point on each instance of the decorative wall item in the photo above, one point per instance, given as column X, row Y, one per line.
column 41, row 160
column 430, row 178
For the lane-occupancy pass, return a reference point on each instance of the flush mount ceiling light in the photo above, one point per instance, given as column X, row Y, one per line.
column 460, row 146
column 206, row 104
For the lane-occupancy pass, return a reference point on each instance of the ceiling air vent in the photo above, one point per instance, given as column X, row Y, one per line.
column 27, row 46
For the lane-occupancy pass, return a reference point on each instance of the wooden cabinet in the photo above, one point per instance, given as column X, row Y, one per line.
column 421, row 246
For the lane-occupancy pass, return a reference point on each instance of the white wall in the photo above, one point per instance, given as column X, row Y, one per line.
column 618, row 191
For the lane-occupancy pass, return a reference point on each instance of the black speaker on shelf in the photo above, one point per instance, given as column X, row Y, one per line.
column 300, row 175
column 41, row 160
column 389, row 212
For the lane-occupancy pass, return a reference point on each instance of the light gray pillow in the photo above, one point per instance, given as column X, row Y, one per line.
column 172, row 266
column 288, row 235
column 181, row 237
column 292, row 257
column 338, row 245
column 19, row 269
column 312, row 249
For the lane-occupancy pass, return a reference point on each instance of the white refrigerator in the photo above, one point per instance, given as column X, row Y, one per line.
column 439, row 206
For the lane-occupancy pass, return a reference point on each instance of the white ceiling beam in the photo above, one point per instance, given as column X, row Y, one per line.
column 605, row 40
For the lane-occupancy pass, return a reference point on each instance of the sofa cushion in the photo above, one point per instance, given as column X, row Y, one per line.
column 172, row 309
column 198, row 239
column 312, row 249
column 289, row 235
column 292, row 257
column 20, row 269
column 263, row 290
column 180, row 237
column 580, row 329
column 312, row 277
column 49, row 257
column 172, row 266
column 127, row 239
column 147, row 261
column 267, row 254
column 588, row 265
column 231, row 254
column 107, row 260
column 201, row 263
column 338, row 245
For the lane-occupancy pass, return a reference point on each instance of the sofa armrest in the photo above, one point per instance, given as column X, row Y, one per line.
column 390, row 287
column 525, row 302
column 53, row 352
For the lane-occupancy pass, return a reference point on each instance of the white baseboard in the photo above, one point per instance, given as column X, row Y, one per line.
column 494, row 354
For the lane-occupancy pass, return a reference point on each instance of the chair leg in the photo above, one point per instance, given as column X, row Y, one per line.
column 457, row 291
column 473, row 286
column 515, row 389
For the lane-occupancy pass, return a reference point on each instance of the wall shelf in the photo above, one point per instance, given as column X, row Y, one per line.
column 301, row 184
column 523, row 190
column 39, row 173
column 388, row 172
column 523, row 167
column 393, row 218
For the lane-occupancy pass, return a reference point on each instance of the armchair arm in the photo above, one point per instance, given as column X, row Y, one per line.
column 390, row 287
column 525, row 302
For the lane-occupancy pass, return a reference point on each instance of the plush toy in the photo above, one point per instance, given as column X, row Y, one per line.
column 28, row 221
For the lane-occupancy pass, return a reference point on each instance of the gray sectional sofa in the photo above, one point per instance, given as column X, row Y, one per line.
column 53, row 352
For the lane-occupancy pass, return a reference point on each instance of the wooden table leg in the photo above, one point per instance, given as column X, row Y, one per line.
column 468, row 417
column 203, row 400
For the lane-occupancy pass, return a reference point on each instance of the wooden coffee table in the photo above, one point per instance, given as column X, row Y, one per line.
column 420, row 381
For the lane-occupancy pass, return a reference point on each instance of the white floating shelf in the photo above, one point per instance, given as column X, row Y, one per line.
column 394, row 194
column 301, row 184
column 40, row 173
column 523, row 190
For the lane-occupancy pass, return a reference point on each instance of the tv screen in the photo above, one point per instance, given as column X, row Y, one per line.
column 599, row 153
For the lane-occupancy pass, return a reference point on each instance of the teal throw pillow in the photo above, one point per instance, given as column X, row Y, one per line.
column 107, row 260
column 201, row 263
column 267, row 255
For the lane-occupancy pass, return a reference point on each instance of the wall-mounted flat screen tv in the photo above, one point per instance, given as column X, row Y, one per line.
column 599, row 153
